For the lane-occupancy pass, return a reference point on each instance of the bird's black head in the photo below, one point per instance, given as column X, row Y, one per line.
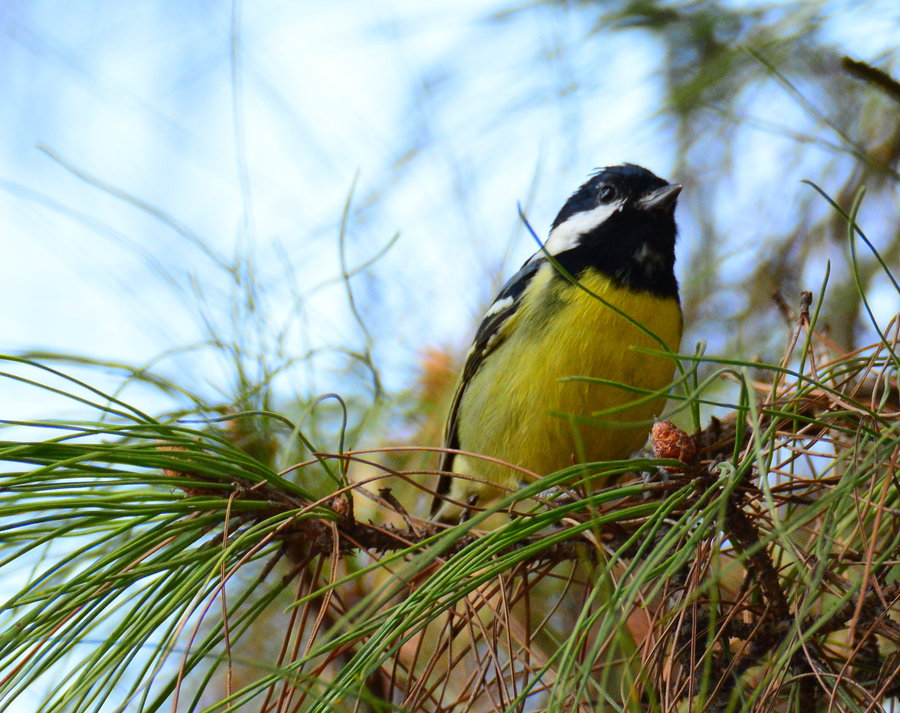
column 621, row 222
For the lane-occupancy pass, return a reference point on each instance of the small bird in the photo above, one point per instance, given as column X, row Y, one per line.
column 514, row 400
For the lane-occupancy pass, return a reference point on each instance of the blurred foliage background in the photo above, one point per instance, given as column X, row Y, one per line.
column 197, row 154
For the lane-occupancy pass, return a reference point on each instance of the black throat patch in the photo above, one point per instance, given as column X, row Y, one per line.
column 632, row 248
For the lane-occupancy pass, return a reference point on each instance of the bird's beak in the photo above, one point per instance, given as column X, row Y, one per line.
column 662, row 198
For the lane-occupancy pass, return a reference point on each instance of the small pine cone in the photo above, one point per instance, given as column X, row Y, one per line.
column 669, row 441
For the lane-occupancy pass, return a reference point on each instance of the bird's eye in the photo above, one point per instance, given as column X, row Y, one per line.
column 606, row 194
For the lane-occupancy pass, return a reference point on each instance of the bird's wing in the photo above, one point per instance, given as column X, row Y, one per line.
column 491, row 333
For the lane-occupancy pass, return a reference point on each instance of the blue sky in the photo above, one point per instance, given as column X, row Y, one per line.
column 139, row 136
column 147, row 102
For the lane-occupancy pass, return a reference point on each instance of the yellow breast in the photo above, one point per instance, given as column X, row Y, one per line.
column 521, row 405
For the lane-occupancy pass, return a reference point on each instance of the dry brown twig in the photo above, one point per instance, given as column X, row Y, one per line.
column 754, row 592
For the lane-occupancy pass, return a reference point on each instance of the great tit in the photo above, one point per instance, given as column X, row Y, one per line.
column 516, row 400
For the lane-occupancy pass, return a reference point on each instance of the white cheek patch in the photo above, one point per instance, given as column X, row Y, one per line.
column 565, row 235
